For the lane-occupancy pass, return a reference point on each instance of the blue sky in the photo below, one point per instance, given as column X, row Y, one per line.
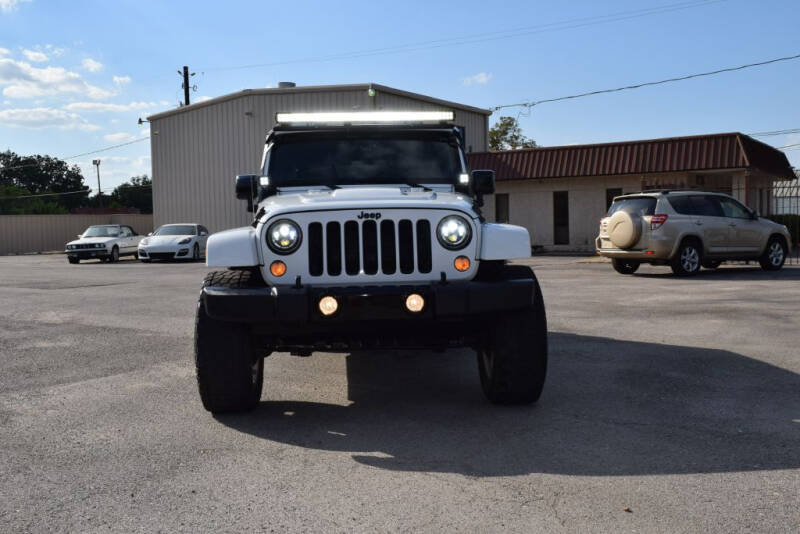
column 75, row 76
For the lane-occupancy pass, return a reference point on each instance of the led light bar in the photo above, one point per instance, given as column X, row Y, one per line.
column 364, row 117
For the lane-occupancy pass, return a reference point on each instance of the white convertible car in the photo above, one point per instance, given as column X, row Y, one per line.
column 105, row 242
column 174, row 242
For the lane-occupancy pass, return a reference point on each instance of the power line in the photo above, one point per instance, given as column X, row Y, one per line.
column 76, row 192
column 104, row 149
column 788, row 146
column 775, row 132
column 646, row 84
column 483, row 37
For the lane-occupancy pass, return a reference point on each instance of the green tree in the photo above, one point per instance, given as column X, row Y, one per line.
column 15, row 200
column 506, row 134
column 44, row 174
column 136, row 193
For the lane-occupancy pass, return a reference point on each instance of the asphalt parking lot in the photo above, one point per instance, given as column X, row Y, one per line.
column 672, row 405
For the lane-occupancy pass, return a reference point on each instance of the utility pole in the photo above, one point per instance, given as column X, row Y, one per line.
column 185, row 85
column 185, row 74
column 96, row 163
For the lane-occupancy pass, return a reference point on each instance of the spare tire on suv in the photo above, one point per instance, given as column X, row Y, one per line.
column 624, row 229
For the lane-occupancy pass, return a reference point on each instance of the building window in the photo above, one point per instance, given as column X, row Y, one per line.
column 501, row 208
column 561, row 217
column 610, row 194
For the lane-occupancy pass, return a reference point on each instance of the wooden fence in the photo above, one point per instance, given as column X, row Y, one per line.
column 21, row 234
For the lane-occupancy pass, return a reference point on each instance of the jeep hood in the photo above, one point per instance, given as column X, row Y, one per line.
column 365, row 198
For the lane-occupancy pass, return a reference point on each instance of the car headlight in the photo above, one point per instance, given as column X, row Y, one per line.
column 99, row 245
column 454, row 232
column 184, row 241
column 70, row 247
column 284, row 236
column 144, row 241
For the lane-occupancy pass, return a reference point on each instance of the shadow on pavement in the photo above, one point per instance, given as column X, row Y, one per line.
column 752, row 273
column 609, row 408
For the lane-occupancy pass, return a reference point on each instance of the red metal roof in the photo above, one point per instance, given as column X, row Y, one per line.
column 693, row 153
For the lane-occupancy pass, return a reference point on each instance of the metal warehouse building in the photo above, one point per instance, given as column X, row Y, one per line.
column 560, row 193
column 198, row 149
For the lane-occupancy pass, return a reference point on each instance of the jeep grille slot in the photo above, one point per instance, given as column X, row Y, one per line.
column 369, row 241
column 334, row 242
column 405, row 235
column 315, row 249
column 388, row 248
column 424, row 258
column 352, row 260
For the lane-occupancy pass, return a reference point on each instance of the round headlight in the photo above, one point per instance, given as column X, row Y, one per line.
column 283, row 236
column 454, row 232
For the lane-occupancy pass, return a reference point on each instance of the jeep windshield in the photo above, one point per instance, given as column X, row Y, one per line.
column 359, row 158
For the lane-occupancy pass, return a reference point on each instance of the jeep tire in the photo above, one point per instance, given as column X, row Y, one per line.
column 623, row 266
column 230, row 374
column 688, row 259
column 513, row 359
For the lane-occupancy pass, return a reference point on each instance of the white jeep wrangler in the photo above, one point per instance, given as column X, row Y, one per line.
column 367, row 234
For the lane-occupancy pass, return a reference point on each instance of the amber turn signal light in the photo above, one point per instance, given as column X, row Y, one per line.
column 461, row 263
column 277, row 268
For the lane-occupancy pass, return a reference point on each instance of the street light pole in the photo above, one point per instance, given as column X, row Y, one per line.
column 96, row 163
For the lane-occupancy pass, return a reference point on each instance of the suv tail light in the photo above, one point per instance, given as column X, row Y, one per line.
column 657, row 220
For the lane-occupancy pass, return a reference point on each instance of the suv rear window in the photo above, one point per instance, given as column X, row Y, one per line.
column 640, row 205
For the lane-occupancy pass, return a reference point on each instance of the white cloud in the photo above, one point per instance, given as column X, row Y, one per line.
column 54, row 50
column 107, row 107
column 4, row 51
column 122, row 80
column 22, row 80
column 121, row 137
column 10, row 5
column 38, row 118
column 481, row 78
column 91, row 65
column 35, row 56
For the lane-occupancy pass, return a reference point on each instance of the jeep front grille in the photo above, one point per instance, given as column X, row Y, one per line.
column 370, row 246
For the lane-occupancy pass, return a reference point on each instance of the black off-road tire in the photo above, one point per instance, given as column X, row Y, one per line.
column 230, row 373
column 513, row 361
column 623, row 266
column 774, row 255
column 73, row 260
column 688, row 259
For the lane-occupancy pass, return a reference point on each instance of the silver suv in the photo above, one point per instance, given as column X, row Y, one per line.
column 687, row 230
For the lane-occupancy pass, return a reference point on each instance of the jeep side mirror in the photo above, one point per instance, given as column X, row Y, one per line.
column 482, row 183
column 246, row 188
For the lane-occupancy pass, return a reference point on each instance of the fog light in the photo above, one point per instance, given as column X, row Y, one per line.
column 328, row 305
column 277, row 268
column 461, row 263
column 415, row 303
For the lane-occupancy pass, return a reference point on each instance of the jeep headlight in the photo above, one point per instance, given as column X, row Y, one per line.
column 454, row 232
column 283, row 236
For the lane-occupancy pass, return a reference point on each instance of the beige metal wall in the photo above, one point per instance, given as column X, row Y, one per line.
column 197, row 153
column 20, row 234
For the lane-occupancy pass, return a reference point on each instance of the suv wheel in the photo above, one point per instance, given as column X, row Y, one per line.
column 625, row 266
column 230, row 373
column 513, row 359
column 688, row 259
column 774, row 255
